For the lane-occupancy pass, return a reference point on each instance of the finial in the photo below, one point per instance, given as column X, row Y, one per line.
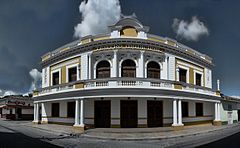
column 218, row 85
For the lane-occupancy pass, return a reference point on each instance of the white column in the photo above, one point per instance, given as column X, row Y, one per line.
column 36, row 112
column 180, row 112
column 114, row 65
column 216, row 111
column 164, row 69
column 84, row 66
column 82, row 114
column 140, row 71
column 174, row 112
column 43, row 111
column 219, row 112
column 89, row 66
column 218, row 85
column 76, row 113
column 172, row 68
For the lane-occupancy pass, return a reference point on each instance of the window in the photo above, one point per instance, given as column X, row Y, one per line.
column 72, row 74
column 71, row 109
column 55, row 78
column 229, row 107
column 182, row 75
column 199, row 109
column 128, row 68
column 55, row 109
column 103, row 69
column 198, row 79
column 153, row 70
column 185, row 109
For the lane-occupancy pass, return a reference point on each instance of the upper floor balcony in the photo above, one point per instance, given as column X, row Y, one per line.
column 125, row 82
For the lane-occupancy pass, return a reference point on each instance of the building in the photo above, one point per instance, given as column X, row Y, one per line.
column 126, row 78
column 16, row 107
column 230, row 109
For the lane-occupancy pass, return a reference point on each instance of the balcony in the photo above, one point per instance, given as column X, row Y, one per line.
column 145, row 83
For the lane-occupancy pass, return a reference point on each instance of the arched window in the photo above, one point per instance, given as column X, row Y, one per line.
column 153, row 70
column 103, row 69
column 128, row 68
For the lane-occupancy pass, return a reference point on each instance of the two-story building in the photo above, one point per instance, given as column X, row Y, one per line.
column 16, row 107
column 126, row 78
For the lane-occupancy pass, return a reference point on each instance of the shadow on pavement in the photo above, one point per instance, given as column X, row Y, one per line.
column 11, row 140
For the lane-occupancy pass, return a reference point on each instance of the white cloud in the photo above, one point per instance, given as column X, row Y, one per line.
column 237, row 97
column 97, row 15
column 36, row 77
column 7, row 93
column 190, row 30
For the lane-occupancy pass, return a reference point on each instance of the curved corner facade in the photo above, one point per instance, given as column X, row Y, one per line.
column 126, row 78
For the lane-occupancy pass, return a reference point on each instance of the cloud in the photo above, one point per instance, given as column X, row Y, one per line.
column 237, row 97
column 97, row 16
column 190, row 30
column 36, row 77
column 7, row 93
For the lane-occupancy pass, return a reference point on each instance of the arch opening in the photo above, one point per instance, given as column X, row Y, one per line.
column 153, row 70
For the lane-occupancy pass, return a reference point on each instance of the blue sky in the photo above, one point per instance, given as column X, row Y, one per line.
column 30, row 28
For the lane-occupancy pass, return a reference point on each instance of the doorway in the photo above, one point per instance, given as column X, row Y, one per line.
column 154, row 113
column 102, row 114
column 129, row 113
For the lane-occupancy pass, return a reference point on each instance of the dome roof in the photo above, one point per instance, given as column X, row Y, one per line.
column 129, row 21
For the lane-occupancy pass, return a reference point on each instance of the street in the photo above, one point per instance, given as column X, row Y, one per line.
column 231, row 141
column 10, row 138
column 18, row 134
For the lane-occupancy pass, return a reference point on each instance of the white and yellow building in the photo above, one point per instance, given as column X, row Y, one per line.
column 126, row 78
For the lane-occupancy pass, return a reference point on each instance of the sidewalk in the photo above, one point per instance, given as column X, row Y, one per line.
column 135, row 133
column 155, row 133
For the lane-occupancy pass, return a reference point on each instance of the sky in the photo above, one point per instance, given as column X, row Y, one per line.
column 31, row 28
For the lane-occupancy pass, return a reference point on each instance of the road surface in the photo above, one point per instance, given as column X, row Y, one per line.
column 10, row 138
column 17, row 134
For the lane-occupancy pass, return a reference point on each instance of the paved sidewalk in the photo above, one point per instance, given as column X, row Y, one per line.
column 153, row 133
column 134, row 133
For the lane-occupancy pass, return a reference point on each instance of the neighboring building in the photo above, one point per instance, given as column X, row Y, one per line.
column 127, row 78
column 16, row 107
column 230, row 110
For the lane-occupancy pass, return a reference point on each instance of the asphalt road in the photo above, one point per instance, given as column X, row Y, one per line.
column 231, row 142
column 10, row 138
column 17, row 134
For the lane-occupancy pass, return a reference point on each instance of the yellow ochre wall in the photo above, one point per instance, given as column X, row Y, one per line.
column 62, row 66
column 129, row 31
column 191, row 67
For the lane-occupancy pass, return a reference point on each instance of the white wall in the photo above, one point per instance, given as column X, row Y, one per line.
column 208, row 78
column 27, row 111
column 208, row 113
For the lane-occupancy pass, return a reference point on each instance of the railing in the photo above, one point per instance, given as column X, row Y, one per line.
column 127, row 83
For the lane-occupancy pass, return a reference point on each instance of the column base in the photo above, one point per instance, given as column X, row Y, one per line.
column 79, row 129
column 217, row 123
column 44, row 122
column 36, row 122
column 178, row 127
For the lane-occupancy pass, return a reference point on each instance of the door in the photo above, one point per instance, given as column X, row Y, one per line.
column 238, row 115
column 128, row 113
column 18, row 113
column 154, row 113
column 102, row 114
